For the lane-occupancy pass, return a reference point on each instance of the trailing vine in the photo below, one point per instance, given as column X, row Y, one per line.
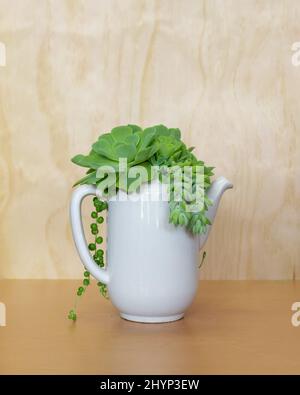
column 202, row 260
column 98, row 255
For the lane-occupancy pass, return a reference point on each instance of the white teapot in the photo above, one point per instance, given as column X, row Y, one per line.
column 151, row 270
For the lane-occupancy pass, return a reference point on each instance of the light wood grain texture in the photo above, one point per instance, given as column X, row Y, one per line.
column 219, row 70
column 233, row 327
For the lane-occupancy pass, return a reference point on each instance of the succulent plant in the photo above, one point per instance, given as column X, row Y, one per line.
column 127, row 142
column 156, row 145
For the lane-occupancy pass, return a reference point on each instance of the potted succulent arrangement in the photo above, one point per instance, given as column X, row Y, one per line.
column 160, row 205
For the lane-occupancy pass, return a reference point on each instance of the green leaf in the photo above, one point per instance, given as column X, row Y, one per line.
column 145, row 154
column 161, row 130
column 132, row 139
column 107, row 137
column 207, row 221
column 208, row 171
column 168, row 145
column 175, row 132
column 93, row 161
column 135, row 128
column 89, row 179
column 121, row 132
column 125, row 151
column 147, row 138
column 104, row 147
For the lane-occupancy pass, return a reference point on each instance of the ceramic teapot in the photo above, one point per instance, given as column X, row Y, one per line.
column 152, row 266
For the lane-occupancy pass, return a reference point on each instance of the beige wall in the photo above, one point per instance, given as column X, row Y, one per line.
column 219, row 70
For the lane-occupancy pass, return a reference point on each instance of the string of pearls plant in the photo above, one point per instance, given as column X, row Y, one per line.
column 98, row 255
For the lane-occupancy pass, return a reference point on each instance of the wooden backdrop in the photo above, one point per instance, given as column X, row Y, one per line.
column 219, row 70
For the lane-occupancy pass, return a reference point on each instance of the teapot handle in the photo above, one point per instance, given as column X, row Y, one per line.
column 78, row 233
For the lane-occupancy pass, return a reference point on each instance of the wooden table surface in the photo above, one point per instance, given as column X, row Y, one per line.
column 232, row 327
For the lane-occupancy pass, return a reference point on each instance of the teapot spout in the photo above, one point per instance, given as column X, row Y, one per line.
column 214, row 193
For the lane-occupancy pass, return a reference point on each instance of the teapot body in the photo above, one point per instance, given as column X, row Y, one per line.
column 152, row 264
